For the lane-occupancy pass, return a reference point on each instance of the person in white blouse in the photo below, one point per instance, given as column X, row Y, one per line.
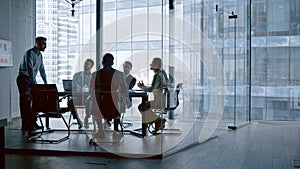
column 160, row 79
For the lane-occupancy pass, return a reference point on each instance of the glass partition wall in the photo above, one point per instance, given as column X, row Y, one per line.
column 192, row 50
column 232, row 40
column 204, row 44
column 200, row 47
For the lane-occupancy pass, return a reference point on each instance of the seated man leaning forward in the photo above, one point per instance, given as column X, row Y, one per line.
column 81, row 82
column 160, row 79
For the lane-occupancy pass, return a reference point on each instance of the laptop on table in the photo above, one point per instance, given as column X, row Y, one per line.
column 67, row 84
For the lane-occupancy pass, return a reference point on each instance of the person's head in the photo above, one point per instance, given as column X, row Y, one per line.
column 156, row 64
column 127, row 67
column 108, row 60
column 88, row 64
column 40, row 43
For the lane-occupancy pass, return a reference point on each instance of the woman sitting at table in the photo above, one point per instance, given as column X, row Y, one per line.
column 159, row 81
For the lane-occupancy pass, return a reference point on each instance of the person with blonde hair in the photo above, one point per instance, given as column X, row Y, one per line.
column 160, row 79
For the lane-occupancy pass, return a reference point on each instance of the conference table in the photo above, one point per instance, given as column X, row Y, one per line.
column 140, row 132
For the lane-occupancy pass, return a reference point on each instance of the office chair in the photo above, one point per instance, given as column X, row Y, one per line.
column 45, row 103
column 123, row 103
column 172, row 102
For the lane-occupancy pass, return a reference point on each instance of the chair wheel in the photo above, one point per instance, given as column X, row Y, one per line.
column 92, row 142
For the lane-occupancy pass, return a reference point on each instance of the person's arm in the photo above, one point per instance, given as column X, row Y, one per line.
column 132, row 83
column 29, row 57
column 75, row 85
column 43, row 72
column 154, row 84
column 92, row 83
column 123, row 84
column 124, row 91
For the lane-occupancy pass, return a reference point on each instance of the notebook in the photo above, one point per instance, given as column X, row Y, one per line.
column 67, row 84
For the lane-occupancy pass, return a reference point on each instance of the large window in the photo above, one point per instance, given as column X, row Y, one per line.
column 275, row 43
column 139, row 30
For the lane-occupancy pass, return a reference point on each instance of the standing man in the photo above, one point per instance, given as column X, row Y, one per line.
column 31, row 64
column 110, row 86
column 81, row 83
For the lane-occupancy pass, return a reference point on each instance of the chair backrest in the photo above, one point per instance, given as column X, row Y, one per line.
column 172, row 97
column 44, row 98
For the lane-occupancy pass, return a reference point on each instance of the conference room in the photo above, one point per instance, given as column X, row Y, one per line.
column 223, row 75
column 136, row 137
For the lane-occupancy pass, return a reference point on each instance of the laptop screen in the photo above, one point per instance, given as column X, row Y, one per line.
column 67, row 84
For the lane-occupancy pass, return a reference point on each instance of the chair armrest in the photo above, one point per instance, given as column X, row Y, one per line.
column 63, row 97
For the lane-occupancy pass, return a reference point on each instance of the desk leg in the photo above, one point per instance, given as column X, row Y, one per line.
column 144, row 129
column 144, row 99
column 47, row 122
column 144, row 125
column 2, row 148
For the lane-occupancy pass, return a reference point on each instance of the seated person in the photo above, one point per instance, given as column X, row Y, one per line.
column 127, row 67
column 130, row 80
column 159, row 81
column 81, row 82
column 109, row 87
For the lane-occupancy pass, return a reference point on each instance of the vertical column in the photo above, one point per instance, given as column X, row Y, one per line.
column 171, row 48
column 249, row 3
column 99, row 30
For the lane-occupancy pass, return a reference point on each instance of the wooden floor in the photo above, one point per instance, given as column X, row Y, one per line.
column 268, row 145
column 123, row 145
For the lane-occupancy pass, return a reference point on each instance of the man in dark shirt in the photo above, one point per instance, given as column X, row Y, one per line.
column 110, row 86
column 127, row 67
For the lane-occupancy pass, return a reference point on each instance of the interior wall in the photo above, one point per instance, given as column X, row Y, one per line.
column 22, row 37
column 18, row 26
column 4, row 71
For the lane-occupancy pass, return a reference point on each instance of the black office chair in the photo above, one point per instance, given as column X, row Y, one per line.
column 45, row 103
column 172, row 102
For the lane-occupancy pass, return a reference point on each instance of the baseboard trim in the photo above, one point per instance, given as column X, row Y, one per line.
column 13, row 119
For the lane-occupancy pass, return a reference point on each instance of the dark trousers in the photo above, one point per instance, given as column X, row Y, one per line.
column 27, row 116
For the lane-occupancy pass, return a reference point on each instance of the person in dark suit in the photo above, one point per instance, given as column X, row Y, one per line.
column 127, row 67
column 131, row 81
column 110, row 86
